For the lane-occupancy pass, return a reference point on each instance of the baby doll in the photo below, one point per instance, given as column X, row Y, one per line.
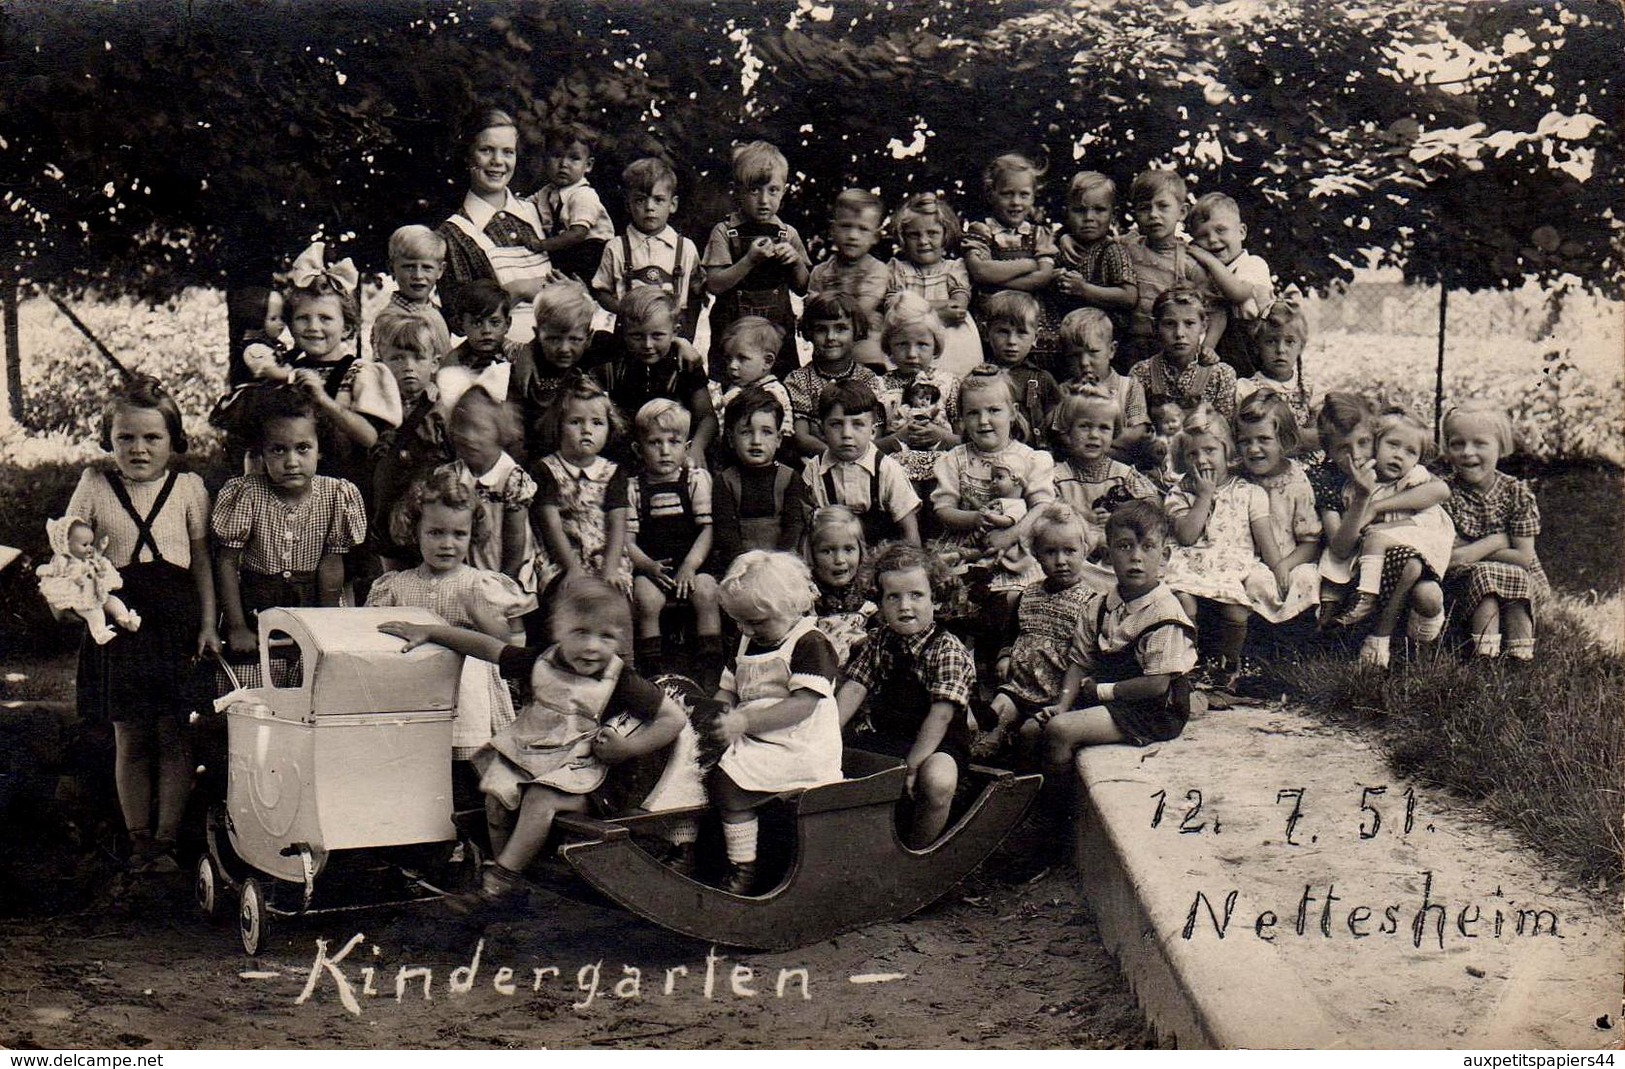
column 1009, row 501
column 1167, row 417
column 80, row 579
column 919, row 407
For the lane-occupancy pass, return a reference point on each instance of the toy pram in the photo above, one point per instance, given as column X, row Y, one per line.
column 342, row 760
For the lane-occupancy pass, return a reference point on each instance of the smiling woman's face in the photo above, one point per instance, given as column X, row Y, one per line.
column 492, row 157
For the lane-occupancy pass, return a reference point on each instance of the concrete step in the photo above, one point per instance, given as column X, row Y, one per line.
column 1411, row 922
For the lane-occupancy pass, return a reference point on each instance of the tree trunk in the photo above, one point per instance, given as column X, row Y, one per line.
column 14, row 351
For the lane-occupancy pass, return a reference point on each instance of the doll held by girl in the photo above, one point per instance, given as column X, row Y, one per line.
column 80, row 579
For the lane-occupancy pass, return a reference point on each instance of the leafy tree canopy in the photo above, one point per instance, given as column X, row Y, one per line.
column 151, row 144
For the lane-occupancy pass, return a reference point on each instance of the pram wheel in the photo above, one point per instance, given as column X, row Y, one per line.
column 206, row 887
column 252, row 916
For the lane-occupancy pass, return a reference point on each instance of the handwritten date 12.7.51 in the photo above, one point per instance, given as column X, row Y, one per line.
column 1193, row 815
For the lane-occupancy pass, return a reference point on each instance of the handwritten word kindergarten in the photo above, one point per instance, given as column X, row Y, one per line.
column 716, row 979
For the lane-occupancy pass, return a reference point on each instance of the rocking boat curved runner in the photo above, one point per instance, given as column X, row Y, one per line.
column 849, row 868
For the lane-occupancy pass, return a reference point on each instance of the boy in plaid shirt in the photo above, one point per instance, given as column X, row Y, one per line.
column 918, row 679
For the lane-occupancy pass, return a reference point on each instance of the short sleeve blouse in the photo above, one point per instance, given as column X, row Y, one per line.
column 277, row 538
column 452, row 595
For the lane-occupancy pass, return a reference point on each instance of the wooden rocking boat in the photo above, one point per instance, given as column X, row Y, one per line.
column 848, row 869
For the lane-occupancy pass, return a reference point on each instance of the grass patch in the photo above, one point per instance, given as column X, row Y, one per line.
column 1581, row 505
column 1541, row 746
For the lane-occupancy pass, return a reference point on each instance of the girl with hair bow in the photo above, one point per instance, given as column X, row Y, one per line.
column 354, row 399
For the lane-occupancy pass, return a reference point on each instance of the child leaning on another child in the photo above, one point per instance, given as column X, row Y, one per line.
column 1129, row 673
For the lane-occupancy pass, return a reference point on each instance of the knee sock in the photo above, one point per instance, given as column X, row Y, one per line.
column 1374, row 650
column 1489, row 645
column 1370, row 574
column 1521, row 649
column 740, row 840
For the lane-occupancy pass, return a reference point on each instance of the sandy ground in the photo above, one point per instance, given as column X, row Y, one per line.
column 1006, row 960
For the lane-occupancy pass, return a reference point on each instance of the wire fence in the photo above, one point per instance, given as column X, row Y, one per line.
column 1553, row 360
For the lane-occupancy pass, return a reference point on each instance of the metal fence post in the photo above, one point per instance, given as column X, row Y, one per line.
column 1438, row 372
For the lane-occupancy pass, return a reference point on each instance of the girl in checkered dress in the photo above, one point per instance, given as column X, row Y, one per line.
column 1494, row 576
column 442, row 515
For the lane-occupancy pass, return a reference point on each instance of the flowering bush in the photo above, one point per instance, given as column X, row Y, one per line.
column 66, row 381
column 1562, row 407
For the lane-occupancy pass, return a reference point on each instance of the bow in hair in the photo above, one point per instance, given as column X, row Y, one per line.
column 456, row 380
column 311, row 265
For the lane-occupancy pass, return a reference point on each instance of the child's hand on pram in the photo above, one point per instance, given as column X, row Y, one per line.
column 414, row 634
column 242, row 641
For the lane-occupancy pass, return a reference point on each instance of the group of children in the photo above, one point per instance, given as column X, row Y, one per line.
column 1104, row 444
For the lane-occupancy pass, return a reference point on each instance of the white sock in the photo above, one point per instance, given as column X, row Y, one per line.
column 1374, row 650
column 1370, row 574
column 1521, row 649
column 686, row 830
column 740, row 840
column 1425, row 628
column 1488, row 645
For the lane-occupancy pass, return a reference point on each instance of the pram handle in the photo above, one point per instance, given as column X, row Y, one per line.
column 225, row 665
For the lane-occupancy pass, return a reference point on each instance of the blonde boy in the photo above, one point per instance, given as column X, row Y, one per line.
column 754, row 260
column 417, row 259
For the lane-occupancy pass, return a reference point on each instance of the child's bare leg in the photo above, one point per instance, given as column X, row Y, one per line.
column 1067, row 731
column 934, row 786
column 707, row 610
column 1486, row 618
column 1518, row 623
column 537, row 807
column 1376, row 648
column 499, row 820
column 1427, row 611
column 174, row 779
column 1232, row 634
column 1005, row 709
column 1485, row 624
column 650, row 602
column 1030, row 738
column 132, row 774
column 1188, row 603
column 1388, row 619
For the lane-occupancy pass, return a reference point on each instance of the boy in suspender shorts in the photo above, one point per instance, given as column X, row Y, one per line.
column 649, row 252
column 670, row 534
